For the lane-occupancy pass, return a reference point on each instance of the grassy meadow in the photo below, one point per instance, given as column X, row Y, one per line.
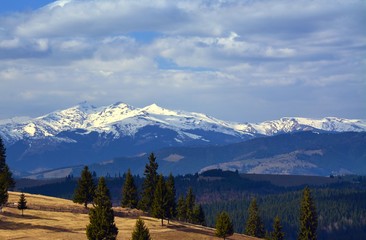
column 63, row 219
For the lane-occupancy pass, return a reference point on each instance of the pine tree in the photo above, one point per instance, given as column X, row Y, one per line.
column 224, row 226
column 2, row 154
column 190, row 201
column 6, row 179
column 181, row 209
column 160, row 204
column 101, row 217
column 308, row 217
column 170, row 187
column 254, row 225
column 140, row 232
column 277, row 233
column 129, row 192
column 148, row 188
column 199, row 215
column 22, row 203
column 84, row 192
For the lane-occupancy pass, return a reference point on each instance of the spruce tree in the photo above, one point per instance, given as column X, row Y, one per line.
column 181, row 209
column 254, row 225
column 277, row 233
column 84, row 192
column 170, row 187
column 148, row 188
column 160, row 204
column 140, row 232
column 308, row 217
column 6, row 178
column 22, row 203
column 224, row 226
column 129, row 192
column 101, row 217
column 199, row 215
column 190, row 201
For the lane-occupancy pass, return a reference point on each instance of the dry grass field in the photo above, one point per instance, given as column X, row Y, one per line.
column 63, row 219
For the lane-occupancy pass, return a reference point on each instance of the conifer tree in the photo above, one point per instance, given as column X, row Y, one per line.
column 129, row 192
column 101, row 217
column 22, row 203
column 277, row 233
column 181, row 209
column 140, row 232
column 160, row 204
column 199, row 215
column 148, row 188
column 254, row 225
column 84, row 192
column 170, row 187
column 308, row 217
column 224, row 226
column 190, row 201
column 6, row 179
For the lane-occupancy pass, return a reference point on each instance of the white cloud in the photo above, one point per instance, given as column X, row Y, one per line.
column 223, row 52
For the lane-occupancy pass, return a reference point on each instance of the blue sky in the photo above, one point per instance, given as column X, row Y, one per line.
column 238, row 60
column 11, row 6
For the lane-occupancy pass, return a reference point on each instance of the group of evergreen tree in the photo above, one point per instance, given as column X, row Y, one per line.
column 6, row 179
column 101, row 216
column 255, row 227
column 189, row 211
column 158, row 197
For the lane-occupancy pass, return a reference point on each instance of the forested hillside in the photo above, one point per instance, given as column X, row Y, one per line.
column 340, row 204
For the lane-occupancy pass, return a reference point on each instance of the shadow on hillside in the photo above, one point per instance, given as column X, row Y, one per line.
column 25, row 216
column 27, row 226
column 182, row 228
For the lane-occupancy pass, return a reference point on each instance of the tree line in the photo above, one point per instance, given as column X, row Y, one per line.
column 254, row 225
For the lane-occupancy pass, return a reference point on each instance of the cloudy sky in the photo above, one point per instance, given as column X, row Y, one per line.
column 238, row 60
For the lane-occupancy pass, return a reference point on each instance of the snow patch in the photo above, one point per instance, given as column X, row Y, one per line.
column 173, row 158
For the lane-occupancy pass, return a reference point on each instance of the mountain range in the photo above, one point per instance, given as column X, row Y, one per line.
column 85, row 134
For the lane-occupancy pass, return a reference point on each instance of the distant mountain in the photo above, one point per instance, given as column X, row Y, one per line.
column 85, row 134
column 301, row 153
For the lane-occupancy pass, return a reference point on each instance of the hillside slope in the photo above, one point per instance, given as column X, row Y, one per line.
column 55, row 224
column 303, row 153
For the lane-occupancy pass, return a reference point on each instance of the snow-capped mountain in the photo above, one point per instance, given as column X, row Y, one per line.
column 121, row 119
column 83, row 134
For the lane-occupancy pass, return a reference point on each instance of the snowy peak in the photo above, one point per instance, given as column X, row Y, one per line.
column 121, row 119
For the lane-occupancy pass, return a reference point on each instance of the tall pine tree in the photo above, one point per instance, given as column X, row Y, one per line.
column 308, row 217
column 181, row 209
column 190, row 202
column 170, row 188
column 129, row 192
column 140, row 232
column 6, row 178
column 84, row 192
column 224, row 226
column 160, row 204
column 254, row 225
column 277, row 233
column 22, row 203
column 148, row 188
column 199, row 215
column 101, row 217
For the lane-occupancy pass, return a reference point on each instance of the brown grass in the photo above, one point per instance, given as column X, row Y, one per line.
column 50, row 224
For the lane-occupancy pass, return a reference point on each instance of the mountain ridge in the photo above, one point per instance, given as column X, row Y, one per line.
column 121, row 118
column 85, row 134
